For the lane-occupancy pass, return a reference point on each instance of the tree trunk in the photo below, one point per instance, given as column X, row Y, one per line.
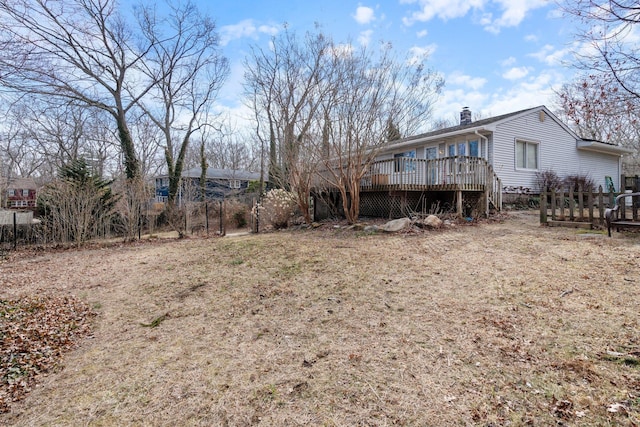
column 131, row 163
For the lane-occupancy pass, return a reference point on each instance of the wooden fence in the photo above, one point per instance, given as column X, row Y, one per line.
column 575, row 207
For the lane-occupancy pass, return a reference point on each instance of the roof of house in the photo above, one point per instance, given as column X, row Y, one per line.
column 213, row 173
column 490, row 123
column 478, row 124
column 22, row 184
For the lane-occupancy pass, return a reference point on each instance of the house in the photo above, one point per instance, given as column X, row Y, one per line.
column 21, row 194
column 474, row 165
column 220, row 183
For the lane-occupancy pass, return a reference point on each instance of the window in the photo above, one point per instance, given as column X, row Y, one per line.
column 11, row 192
column 401, row 162
column 526, row 155
column 234, row 183
column 464, row 148
column 25, row 193
column 474, row 149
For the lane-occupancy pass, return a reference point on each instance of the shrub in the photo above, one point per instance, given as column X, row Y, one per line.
column 548, row 180
column 277, row 207
column 240, row 219
column 575, row 181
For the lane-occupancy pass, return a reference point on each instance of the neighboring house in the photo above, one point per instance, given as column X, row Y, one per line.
column 476, row 163
column 21, row 193
column 220, row 183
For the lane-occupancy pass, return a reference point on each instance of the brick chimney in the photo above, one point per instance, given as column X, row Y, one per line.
column 465, row 116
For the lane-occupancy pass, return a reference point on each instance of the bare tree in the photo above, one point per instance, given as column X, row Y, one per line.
column 55, row 135
column 227, row 148
column 149, row 142
column 78, row 50
column 609, row 30
column 184, row 54
column 318, row 103
column 368, row 91
column 597, row 108
column 282, row 86
column 285, row 87
column 19, row 154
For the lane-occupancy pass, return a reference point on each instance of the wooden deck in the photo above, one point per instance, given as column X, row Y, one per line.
column 446, row 174
column 404, row 181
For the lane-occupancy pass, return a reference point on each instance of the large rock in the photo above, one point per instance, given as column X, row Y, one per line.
column 395, row 225
column 432, row 221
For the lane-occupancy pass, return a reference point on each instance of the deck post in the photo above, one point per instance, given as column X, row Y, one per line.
column 543, row 207
column 590, row 203
column 486, row 202
column 601, row 204
column 459, row 203
column 580, row 203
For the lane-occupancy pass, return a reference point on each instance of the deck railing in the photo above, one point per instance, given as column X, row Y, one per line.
column 449, row 173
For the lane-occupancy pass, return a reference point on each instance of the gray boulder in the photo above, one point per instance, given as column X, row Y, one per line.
column 395, row 225
column 432, row 221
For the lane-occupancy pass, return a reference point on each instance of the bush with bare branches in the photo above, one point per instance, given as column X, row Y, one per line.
column 277, row 207
column 79, row 206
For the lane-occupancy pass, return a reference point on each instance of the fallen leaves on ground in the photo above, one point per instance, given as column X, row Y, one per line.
column 35, row 332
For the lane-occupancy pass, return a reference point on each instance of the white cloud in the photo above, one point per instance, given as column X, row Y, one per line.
column 364, row 15
column 539, row 90
column 514, row 11
column 418, row 54
column 531, row 38
column 509, row 62
column 516, row 73
column 365, row 37
column 448, row 106
column 555, row 13
column 549, row 55
column 494, row 14
column 486, row 19
column 246, row 28
column 460, row 79
column 443, row 9
column 421, row 34
column 536, row 90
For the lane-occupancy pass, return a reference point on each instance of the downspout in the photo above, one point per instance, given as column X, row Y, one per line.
column 486, row 141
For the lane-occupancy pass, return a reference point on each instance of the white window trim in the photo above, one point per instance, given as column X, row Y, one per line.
column 515, row 154
column 235, row 183
column 467, row 147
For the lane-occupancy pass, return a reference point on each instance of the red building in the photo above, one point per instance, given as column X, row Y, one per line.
column 21, row 193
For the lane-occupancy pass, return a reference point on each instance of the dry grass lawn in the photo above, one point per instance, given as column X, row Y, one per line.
column 504, row 323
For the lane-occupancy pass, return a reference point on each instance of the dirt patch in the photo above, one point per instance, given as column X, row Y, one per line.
column 489, row 324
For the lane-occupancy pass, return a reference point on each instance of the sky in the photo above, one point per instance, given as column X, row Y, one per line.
column 496, row 56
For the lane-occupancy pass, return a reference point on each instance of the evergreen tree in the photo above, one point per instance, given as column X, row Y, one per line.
column 78, row 206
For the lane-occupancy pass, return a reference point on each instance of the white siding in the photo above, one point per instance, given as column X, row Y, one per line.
column 597, row 166
column 557, row 151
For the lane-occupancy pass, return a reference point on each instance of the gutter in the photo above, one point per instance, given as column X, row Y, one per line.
column 419, row 141
column 601, row 147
